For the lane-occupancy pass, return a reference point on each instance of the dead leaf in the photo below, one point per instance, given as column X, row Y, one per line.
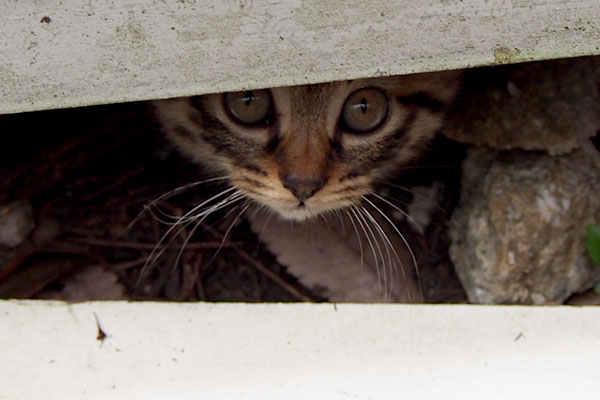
column 89, row 283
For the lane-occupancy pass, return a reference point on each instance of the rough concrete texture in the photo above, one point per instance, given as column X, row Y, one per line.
column 518, row 232
column 551, row 106
column 67, row 53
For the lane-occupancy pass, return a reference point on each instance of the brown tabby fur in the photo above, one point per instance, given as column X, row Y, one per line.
column 305, row 139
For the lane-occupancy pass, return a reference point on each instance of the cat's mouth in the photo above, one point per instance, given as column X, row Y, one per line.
column 300, row 212
column 298, row 203
column 293, row 210
column 303, row 210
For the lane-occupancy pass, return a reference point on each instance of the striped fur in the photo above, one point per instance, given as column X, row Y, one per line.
column 305, row 139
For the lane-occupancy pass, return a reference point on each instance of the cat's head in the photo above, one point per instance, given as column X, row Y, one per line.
column 306, row 150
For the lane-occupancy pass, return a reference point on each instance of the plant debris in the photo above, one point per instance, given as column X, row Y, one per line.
column 92, row 177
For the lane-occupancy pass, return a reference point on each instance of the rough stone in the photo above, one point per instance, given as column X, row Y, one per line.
column 552, row 106
column 518, row 231
column 16, row 223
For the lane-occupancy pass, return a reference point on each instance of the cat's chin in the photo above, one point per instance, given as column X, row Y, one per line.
column 297, row 214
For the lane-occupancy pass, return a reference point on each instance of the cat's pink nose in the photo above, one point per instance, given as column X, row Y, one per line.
column 302, row 188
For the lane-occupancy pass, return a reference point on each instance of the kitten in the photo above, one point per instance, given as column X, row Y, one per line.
column 307, row 150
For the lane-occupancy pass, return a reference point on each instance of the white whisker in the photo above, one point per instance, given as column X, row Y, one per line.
column 186, row 220
column 157, row 214
column 270, row 215
column 388, row 245
column 172, row 193
column 324, row 218
column 360, row 245
column 155, row 254
column 401, row 211
column 412, row 254
column 190, row 214
column 362, row 226
column 181, row 219
column 227, row 234
column 377, row 245
column 340, row 217
column 198, row 223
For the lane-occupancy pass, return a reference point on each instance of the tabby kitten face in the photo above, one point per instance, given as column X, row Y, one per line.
column 307, row 150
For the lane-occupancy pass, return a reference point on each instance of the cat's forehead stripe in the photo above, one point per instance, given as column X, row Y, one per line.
column 422, row 99
column 306, row 139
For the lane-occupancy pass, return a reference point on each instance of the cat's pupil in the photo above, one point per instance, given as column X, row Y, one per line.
column 248, row 97
column 365, row 110
column 249, row 107
column 363, row 105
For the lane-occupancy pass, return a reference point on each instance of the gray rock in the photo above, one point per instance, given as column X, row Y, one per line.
column 16, row 223
column 552, row 106
column 518, row 231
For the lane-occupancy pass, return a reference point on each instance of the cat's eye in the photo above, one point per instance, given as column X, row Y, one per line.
column 364, row 111
column 251, row 107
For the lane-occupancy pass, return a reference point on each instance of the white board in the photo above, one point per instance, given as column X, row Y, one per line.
column 65, row 53
column 296, row 351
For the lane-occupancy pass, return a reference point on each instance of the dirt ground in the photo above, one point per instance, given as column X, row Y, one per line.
column 91, row 177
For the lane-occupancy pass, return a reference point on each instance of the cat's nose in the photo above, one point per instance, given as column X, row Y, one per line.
column 302, row 188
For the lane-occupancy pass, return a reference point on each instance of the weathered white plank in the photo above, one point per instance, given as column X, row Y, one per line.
column 296, row 351
column 64, row 53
